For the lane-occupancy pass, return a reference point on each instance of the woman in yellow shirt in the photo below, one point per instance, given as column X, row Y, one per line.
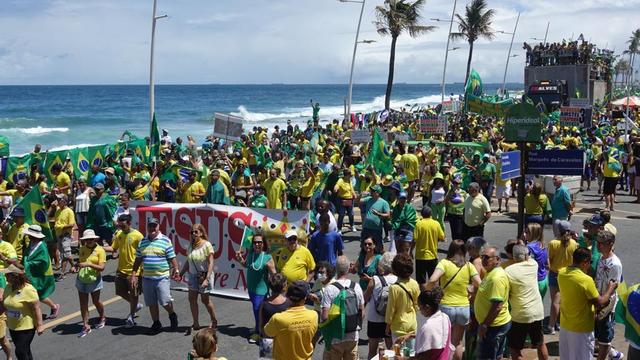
column 403, row 299
column 560, row 256
column 456, row 277
column 24, row 318
column 89, row 281
column 535, row 205
column 346, row 195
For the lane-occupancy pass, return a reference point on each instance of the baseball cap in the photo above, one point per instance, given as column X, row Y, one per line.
column 376, row 188
column 298, row 290
column 596, row 220
column 396, row 186
column 290, row 233
column 153, row 221
column 99, row 186
column 564, row 226
column 402, row 195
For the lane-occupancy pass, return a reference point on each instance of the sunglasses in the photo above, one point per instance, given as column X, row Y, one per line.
column 368, row 244
column 292, row 239
column 487, row 257
column 195, row 232
column 257, row 242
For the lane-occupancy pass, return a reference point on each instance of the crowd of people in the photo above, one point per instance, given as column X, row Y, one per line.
column 572, row 53
column 473, row 304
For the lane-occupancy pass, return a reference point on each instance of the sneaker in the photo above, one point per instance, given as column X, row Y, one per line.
column 101, row 324
column 138, row 308
column 173, row 317
column 615, row 354
column 129, row 323
column 155, row 328
column 557, row 327
column 353, row 229
column 84, row 332
column 254, row 338
column 548, row 330
column 54, row 312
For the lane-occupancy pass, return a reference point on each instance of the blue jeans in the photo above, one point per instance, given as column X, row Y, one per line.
column 256, row 302
column 342, row 210
column 492, row 345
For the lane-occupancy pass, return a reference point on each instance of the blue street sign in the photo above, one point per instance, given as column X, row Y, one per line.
column 555, row 162
column 510, row 165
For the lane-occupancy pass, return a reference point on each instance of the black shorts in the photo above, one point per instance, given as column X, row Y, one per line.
column 424, row 269
column 519, row 332
column 376, row 330
column 610, row 184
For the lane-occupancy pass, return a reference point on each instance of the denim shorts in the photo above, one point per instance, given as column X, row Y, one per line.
column 492, row 346
column 459, row 315
column 553, row 279
column 192, row 281
column 156, row 291
column 603, row 330
column 89, row 288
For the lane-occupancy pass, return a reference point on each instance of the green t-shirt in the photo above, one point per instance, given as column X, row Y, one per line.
column 595, row 254
column 257, row 279
column 372, row 221
column 487, row 171
column 259, row 201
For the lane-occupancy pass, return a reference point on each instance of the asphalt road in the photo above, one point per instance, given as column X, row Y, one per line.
column 235, row 317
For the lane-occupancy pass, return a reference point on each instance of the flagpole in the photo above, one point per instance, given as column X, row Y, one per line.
column 154, row 18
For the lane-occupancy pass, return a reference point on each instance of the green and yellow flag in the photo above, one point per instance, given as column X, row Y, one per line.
column 378, row 157
column 18, row 168
column 53, row 158
column 35, row 213
column 334, row 326
column 4, row 146
column 96, row 155
column 247, row 238
column 474, row 84
column 80, row 162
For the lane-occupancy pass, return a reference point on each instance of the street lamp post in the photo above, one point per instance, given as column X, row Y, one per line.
column 353, row 58
column 506, row 66
column 154, row 18
column 446, row 53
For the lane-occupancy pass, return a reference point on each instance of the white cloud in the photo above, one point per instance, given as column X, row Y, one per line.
column 262, row 41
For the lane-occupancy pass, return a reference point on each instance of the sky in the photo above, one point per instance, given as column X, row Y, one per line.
column 274, row 41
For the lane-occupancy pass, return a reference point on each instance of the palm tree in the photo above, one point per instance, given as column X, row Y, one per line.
column 621, row 68
column 475, row 24
column 394, row 18
column 634, row 48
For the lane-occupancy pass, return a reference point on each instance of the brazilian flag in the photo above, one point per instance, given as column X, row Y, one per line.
column 139, row 149
column 4, row 146
column 334, row 326
column 18, row 168
column 80, row 162
column 247, row 238
column 53, row 158
column 182, row 172
column 474, row 84
column 35, row 213
column 379, row 156
column 627, row 311
column 96, row 155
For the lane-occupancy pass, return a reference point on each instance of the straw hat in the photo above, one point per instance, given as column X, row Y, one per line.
column 34, row 231
column 89, row 234
column 12, row 269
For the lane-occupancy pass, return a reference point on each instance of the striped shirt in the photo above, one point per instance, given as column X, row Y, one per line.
column 156, row 255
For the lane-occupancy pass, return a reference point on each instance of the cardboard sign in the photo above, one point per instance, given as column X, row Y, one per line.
column 227, row 127
column 432, row 124
column 570, row 116
column 360, row 136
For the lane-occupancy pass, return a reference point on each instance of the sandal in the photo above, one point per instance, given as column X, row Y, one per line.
column 54, row 312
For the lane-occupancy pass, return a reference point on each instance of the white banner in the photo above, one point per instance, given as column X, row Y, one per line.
column 227, row 126
column 360, row 136
column 225, row 228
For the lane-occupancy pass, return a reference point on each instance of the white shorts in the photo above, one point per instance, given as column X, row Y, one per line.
column 503, row 192
column 576, row 346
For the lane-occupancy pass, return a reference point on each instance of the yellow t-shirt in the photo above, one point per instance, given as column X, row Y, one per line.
column 456, row 293
column 560, row 256
column 306, row 191
column 494, row 287
column 293, row 331
column 607, row 171
column 344, row 189
column 95, row 256
column 426, row 235
column 274, row 190
column 17, row 238
column 19, row 307
column 64, row 217
column 475, row 208
column 63, row 180
column 295, row 265
column 533, row 205
column 576, row 308
column 127, row 243
column 410, row 164
column 140, row 192
column 188, row 196
column 401, row 310
column 7, row 250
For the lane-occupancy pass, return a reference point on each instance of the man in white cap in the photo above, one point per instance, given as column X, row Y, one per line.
column 294, row 260
column 158, row 260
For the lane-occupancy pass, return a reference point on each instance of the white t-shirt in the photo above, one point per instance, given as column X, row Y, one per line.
column 333, row 225
column 82, row 202
column 434, row 333
column 372, row 315
column 330, row 293
column 608, row 269
column 437, row 196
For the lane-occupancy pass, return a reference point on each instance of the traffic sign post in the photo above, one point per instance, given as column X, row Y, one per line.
column 510, row 165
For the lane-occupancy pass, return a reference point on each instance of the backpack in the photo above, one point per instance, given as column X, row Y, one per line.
column 380, row 302
column 353, row 314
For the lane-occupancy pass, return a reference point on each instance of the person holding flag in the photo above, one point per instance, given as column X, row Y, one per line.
column 14, row 233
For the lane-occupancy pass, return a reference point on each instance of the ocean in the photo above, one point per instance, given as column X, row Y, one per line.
column 66, row 116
